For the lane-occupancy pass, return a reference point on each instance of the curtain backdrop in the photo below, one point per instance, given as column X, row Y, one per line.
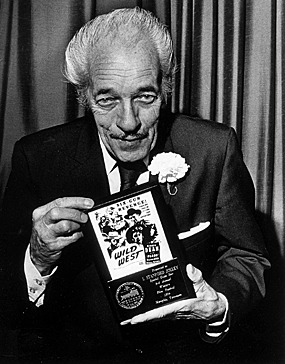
column 230, row 69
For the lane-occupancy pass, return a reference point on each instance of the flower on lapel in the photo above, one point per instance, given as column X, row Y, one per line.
column 170, row 167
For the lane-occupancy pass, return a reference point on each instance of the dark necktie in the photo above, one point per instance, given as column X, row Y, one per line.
column 129, row 173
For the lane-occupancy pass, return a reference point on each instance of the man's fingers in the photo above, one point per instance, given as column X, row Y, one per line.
column 160, row 312
column 194, row 274
column 60, row 214
column 56, row 225
column 65, row 228
column 64, row 241
column 80, row 203
column 126, row 322
column 73, row 202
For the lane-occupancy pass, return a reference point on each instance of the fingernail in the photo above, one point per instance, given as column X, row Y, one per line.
column 190, row 269
column 88, row 203
column 83, row 217
column 125, row 322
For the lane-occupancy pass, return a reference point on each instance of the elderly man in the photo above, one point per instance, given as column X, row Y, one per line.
column 122, row 66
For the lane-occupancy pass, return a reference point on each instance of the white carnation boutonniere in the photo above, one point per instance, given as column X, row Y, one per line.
column 170, row 167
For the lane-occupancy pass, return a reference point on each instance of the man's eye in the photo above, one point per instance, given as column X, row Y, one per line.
column 146, row 98
column 106, row 101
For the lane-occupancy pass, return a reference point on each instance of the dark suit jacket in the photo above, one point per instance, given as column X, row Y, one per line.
column 66, row 160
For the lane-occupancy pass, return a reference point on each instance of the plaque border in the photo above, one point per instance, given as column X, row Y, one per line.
column 168, row 225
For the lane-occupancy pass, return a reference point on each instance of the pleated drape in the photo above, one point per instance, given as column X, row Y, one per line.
column 231, row 69
column 230, row 60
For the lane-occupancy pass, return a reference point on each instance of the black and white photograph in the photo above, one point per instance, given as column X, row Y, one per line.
column 130, row 235
column 101, row 100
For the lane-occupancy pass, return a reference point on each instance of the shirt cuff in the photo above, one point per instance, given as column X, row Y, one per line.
column 36, row 283
column 215, row 329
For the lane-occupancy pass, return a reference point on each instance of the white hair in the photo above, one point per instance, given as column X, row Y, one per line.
column 129, row 26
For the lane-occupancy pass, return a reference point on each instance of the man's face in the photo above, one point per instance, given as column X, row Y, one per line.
column 125, row 100
column 134, row 219
column 138, row 237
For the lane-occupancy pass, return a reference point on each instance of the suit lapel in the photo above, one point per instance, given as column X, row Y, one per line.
column 163, row 144
column 88, row 170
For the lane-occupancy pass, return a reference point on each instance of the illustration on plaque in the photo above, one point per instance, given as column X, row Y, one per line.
column 130, row 235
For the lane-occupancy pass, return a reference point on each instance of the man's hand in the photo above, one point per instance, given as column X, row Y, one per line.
column 56, row 225
column 207, row 306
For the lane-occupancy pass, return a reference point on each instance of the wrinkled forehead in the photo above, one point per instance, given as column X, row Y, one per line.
column 119, row 59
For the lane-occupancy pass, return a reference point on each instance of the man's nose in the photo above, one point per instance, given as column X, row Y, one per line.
column 128, row 120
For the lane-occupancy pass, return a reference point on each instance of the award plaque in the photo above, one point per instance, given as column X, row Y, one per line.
column 137, row 252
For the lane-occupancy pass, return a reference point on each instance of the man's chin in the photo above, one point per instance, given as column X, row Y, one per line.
column 131, row 158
